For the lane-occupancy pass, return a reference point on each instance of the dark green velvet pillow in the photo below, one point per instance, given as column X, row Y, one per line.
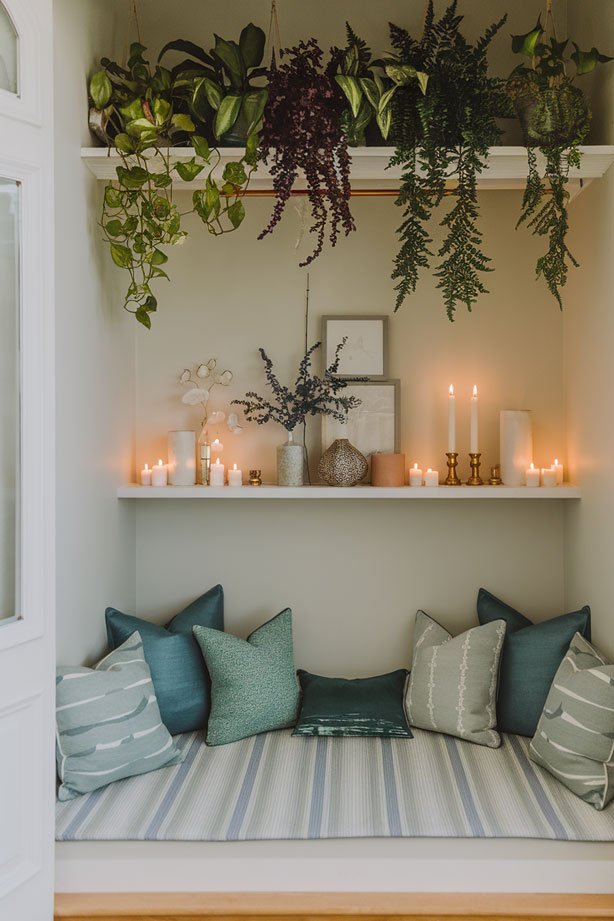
column 532, row 654
column 353, row 706
column 179, row 675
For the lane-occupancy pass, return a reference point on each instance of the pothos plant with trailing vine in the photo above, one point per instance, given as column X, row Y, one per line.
column 442, row 133
column 555, row 119
column 139, row 113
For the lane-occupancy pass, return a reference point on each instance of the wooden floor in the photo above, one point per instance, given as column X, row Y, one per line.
column 331, row 906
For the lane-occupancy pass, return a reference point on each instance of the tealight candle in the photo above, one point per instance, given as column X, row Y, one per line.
column 533, row 475
column 235, row 477
column 217, row 473
column 216, row 446
column 159, row 474
column 431, row 477
column 415, row 476
column 558, row 469
column 548, row 476
column 146, row 476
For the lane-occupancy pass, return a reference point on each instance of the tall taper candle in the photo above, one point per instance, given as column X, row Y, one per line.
column 474, row 421
column 451, row 420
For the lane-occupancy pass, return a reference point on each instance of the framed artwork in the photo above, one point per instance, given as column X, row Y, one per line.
column 365, row 353
column 372, row 426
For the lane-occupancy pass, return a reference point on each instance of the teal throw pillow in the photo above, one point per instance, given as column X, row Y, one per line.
column 453, row 682
column 353, row 706
column 108, row 723
column 575, row 734
column 531, row 655
column 177, row 668
column 253, row 684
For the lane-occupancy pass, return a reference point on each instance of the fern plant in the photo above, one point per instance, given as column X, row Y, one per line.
column 441, row 135
column 555, row 119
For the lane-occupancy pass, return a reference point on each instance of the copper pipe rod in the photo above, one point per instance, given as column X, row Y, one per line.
column 356, row 193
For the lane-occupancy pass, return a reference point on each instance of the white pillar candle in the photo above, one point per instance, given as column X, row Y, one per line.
column 451, row 420
column 216, row 446
column 159, row 474
column 533, row 475
column 415, row 476
column 548, row 476
column 235, row 477
column 217, row 473
column 558, row 469
column 182, row 458
column 431, row 477
column 516, row 446
column 146, row 476
column 474, row 421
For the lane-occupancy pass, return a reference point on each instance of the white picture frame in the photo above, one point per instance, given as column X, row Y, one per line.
column 365, row 353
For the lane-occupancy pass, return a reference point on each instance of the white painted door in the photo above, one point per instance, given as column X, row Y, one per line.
column 26, row 462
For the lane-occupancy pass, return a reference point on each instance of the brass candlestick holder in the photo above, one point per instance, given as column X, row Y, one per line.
column 452, row 478
column 475, row 479
column 255, row 478
column 495, row 476
column 205, row 464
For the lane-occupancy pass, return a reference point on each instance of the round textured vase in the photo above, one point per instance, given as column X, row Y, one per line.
column 342, row 464
column 290, row 462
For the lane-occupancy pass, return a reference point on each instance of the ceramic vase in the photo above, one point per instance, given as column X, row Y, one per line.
column 290, row 463
column 342, row 464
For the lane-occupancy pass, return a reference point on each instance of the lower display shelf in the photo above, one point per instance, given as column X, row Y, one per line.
column 566, row 491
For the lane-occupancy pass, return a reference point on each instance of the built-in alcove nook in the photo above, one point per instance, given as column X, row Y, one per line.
column 353, row 566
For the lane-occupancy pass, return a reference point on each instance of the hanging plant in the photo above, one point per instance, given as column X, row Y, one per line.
column 138, row 112
column 218, row 86
column 368, row 87
column 555, row 119
column 302, row 132
column 441, row 134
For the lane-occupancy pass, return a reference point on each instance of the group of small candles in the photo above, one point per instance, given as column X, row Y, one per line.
column 158, row 475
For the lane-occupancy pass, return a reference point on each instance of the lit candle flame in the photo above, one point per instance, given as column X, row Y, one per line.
column 160, row 464
column 451, row 390
column 532, row 466
column 475, row 391
column 429, row 470
column 415, row 466
column 217, row 461
column 146, row 466
column 556, row 461
column 234, row 466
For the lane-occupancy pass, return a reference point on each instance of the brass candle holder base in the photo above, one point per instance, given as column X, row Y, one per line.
column 475, row 479
column 205, row 464
column 495, row 476
column 452, row 478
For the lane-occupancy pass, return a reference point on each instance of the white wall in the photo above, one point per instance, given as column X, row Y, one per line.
column 95, row 361
column 589, row 342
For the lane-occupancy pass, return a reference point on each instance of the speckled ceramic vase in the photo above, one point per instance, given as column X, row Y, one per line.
column 290, row 463
column 342, row 464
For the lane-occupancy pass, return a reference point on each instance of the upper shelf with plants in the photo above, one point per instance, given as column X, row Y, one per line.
column 322, row 126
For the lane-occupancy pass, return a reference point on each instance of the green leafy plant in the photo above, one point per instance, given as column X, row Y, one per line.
column 140, row 117
column 555, row 119
column 443, row 133
column 218, row 85
column 368, row 86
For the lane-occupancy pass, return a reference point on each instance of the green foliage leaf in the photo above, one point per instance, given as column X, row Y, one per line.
column 190, row 48
column 251, row 45
column 236, row 213
column 132, row 110
column 101, row 89
column 227, row 115
column 158, row 257
column 162, row 110
column 371, row 91
column 234, row 172
column 212, row 198
column 212, row 93
column 143, row 317
column 112, row 198
column 139, row 127
column 587, row 61
column 229, row 54
column 114, row 228
column 189, row 171
column 133, row 178
column 385, row 100
column 351, row 90
column 124, row 143
column 384, row 122
column 253, row 106
column 121, row 255
column 162, row 180
column 183, row 123
column 201, row 147
column 526, row 44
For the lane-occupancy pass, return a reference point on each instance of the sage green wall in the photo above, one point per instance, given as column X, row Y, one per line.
column 589, row 345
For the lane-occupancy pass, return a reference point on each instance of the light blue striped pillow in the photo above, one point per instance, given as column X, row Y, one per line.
column 108, row 723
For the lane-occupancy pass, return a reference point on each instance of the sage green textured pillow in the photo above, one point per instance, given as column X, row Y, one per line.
column 574, row 740
column 108, row 723
column 253, row 683
column 453, row 682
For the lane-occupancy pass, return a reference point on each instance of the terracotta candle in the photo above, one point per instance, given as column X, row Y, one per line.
column 533, row 476
column 235, row 477
column 431, row 477
column 159, row 474
column 415, row 476
column 146, row 476
column 387, row 470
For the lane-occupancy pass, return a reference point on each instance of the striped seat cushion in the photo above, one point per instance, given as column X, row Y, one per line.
column 108, row 723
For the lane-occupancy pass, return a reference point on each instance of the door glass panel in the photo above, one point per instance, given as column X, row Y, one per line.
column 9, row 53
column 9, row 398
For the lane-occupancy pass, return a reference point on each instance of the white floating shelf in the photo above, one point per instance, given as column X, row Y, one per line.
column 355, row 492
column 506, row 168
